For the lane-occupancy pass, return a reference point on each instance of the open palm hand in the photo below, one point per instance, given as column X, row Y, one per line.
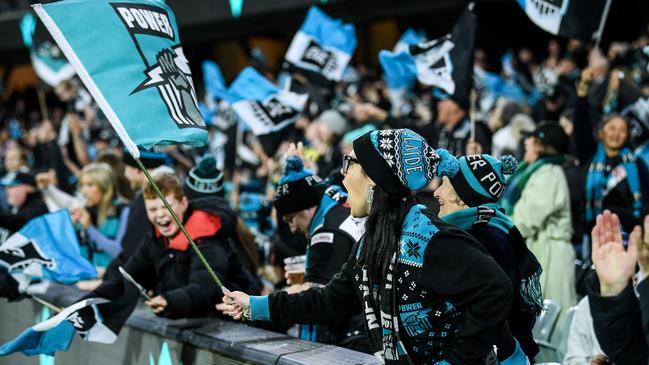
column 615, row 266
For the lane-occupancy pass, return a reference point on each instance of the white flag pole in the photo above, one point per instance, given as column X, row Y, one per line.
column 602, row 23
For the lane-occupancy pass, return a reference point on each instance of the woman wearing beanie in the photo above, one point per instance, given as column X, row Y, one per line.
column 430, row 292
column 312, row 207
column 468, row 198
column 538, row 202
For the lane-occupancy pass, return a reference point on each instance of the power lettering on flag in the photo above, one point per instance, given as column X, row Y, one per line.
column 129, row 56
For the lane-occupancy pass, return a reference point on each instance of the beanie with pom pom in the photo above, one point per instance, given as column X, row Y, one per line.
column 481, row 178
column 204, row 180
column 400, row 161
column 298, row 188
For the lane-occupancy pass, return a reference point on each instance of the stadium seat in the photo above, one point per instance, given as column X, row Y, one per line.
column 560, row 336
column 546, row 321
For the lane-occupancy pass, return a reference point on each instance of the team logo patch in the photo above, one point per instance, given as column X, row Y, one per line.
column 322, row 238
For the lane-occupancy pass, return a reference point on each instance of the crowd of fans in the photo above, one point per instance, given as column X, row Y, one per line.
column 575, row 129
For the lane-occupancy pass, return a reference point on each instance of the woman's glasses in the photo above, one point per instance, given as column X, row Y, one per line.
column 347, row 162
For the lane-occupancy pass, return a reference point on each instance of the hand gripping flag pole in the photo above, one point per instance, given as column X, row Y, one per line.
column 197, row 251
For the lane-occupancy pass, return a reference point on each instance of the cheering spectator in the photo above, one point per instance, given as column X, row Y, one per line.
column 469, row 200
column 25, row 201
column 614, row 178
column 137, row 222
column 165, row 263
column 317, row 211
column 453, row 298
column 103, row 218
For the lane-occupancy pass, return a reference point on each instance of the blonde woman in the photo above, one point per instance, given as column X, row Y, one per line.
column 104, row 216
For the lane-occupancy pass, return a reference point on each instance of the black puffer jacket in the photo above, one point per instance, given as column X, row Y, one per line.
column 170, row 267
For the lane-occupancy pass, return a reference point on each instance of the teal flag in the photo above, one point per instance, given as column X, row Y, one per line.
column 128, row 54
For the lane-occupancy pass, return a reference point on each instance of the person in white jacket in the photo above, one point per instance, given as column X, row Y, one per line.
column 538, row 201
column 583, row 347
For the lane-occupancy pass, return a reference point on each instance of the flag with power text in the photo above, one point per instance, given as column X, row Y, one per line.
column 129, row 56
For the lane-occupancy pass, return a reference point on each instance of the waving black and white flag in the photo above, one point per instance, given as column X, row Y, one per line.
column 260, row 104
column 568, row 18
column 445, row 62
column 323, row 45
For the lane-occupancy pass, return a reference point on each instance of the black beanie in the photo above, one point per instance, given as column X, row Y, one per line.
column 400, row 161
column 204, row 180
column 298, row 189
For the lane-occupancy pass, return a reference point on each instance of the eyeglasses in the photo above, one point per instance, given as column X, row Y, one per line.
column 347, row 162
column 288, row 218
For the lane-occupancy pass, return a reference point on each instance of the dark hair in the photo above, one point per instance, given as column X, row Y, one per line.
column 382, row 232
column 607, row 118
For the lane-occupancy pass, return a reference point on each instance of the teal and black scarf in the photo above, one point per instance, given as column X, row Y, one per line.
column 530, row 298
column 598, row 183
column 516, row 183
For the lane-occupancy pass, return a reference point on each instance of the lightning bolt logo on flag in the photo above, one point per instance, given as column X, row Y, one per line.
column 128, row 54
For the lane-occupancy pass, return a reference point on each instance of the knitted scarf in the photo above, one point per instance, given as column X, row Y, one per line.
column 383, row 321
column 599, row 184
column 530, row 298
column 516, row 183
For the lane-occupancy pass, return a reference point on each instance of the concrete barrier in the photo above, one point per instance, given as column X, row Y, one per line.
column 150, row 340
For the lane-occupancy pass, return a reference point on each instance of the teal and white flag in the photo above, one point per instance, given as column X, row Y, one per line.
column 128, row 55
column 48, row 61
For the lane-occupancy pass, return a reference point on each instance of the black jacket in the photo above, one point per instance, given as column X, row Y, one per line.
column 178, row 275
column 331, row 244
column 520, row 322
column 622, row 322
column 456, row 270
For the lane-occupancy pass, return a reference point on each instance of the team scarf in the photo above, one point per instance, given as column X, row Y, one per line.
column 530, row 298
column 383, row 321
column 516, row 183
column 599, row 184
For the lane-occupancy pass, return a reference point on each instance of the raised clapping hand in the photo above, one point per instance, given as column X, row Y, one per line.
column 235, row 304
column 615, row 266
